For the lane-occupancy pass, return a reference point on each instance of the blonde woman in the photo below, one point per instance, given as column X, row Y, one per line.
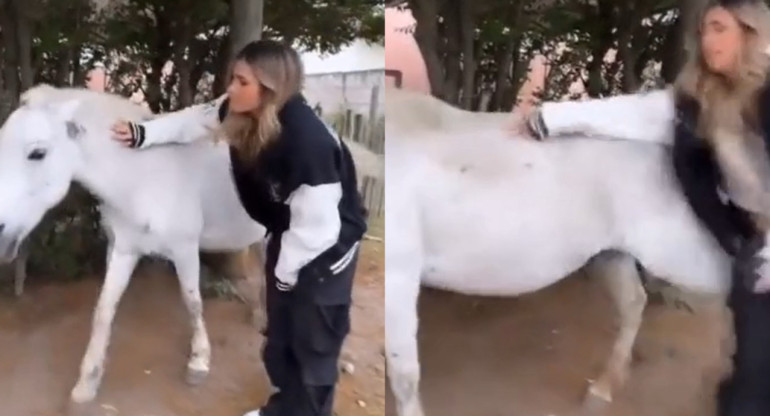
column 297, row 179
column 717, row 120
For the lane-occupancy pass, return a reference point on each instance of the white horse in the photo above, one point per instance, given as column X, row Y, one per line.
column 647, row 117
column 472, row 210
column 170, row 201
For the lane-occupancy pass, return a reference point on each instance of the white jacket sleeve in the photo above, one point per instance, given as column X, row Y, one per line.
column 183, row 126
column 644, row 117
column 315, row 221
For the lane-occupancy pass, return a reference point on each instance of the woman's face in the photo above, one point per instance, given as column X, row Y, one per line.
column 722, row 39
column 244, row 90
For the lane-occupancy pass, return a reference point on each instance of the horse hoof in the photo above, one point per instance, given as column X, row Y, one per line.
column 82, row 395
column 80, row 409
column 196, row 376
column 596, row 401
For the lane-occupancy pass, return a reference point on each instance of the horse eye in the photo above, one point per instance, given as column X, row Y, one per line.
column 36, row 154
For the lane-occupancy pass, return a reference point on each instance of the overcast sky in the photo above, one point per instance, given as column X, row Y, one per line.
column 358, row 56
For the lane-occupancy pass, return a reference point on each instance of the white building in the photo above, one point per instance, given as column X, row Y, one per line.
column 349, row 79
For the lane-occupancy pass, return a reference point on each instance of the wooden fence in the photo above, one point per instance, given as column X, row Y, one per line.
column 373, row 194
column 369, row 132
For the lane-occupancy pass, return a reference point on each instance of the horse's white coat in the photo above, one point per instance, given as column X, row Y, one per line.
column 472, row 210
column 166, row 200
column 645, row 117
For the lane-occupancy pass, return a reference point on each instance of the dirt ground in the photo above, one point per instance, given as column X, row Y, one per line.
column 44, row 334
column 533, row 355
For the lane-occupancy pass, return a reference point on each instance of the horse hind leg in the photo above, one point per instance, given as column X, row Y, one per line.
column 187, row 262
column 619, row 272
column 246, row 271
column 20, row 269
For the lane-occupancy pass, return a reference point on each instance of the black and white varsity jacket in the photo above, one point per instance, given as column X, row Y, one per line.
column 700, row 177
column 302, row 187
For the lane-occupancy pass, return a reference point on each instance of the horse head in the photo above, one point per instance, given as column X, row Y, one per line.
column 37, row 165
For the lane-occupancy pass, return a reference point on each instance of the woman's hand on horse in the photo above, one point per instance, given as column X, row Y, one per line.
column 528, row 123
column 122, row 132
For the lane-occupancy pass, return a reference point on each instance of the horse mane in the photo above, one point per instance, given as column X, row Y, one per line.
column 415, row 111
column 110, row 105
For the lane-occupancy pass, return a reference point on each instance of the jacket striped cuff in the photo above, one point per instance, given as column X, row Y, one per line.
column 536, row 125
column 137, row 135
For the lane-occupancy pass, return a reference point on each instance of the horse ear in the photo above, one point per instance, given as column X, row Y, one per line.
column 66, row 110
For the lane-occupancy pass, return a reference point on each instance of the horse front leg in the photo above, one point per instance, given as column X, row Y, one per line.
column 119, row 268
column 620, row 274
column 403, row 269
column 187, row 262
column 401, row 351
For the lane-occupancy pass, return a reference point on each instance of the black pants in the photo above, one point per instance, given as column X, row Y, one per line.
column 305, row 331
column 747, row 391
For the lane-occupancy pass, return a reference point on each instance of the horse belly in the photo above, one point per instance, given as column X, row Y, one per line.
column 509, row 237
column 226, row 224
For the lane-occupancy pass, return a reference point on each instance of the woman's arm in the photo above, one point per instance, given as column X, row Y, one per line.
column 314, row 224
column 698, row 177
column 183, row 126
column 643, row 117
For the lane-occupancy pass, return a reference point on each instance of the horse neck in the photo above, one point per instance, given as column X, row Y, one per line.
column 102, row 171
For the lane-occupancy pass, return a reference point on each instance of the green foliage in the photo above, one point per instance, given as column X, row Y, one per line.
column 69, row 243
column 574, row 37
column 322, row 25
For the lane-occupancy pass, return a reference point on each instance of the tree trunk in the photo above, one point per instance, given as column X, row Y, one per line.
column 425, row 12
column 245, row 23
column 186, row 93
column 519, row 71
column 24, row 41
column 167, row 93
column 198, row 64
column 11, row 49
column 672, row 51
column 510, row 53
column 505, row 61
column 153, row 90
column 467, row 29
column 451, row 53
column 222, row 67
column 627, row 56
column 602, row 42
column 183, row 64
column 162, row 53
column 63, row 68
column 6, row 101
column 78, row 75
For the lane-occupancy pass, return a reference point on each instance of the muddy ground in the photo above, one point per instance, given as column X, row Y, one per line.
column 533, row 355
column 43, row 336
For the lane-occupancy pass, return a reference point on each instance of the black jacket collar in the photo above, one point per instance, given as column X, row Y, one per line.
column 292, row 107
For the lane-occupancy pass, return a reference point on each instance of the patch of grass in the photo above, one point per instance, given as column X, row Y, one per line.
column 214, row 286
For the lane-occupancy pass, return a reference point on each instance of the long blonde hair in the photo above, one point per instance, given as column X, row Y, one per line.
column 279, row 69
column 729, row 104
